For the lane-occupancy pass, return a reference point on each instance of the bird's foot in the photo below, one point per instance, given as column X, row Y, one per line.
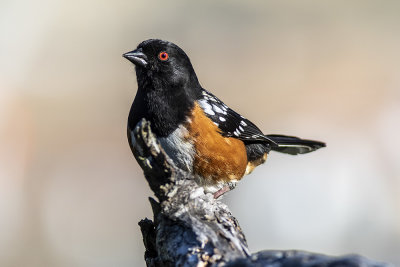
column 228, row 187
column 222, row 191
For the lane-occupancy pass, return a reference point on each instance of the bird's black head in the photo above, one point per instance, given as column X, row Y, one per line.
column 162, row 64
column 167, row 86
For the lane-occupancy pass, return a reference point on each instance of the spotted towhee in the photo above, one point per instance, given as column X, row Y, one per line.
column 198, row 131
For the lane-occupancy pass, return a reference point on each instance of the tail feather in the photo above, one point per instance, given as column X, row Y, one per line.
column 294, row 145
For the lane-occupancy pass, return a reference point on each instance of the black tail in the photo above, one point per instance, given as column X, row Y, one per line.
column 293, row 145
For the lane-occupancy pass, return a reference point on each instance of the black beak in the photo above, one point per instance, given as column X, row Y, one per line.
column 136, row 57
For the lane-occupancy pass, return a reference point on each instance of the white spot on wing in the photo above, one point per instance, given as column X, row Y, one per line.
column 206, row 107
column 209, row 111
column 217, row 109
column 222, row 119
column 243, row 123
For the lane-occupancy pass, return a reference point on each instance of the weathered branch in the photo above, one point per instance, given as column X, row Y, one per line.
column 191, row 228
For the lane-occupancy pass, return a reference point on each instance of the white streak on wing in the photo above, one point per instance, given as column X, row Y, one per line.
column 217, row 109
column 240, row 128
column 243, row 123
column 209, row 111
column 206, row 107
column 213, row 99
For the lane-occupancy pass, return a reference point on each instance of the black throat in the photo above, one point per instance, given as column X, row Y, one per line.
column 165, row 105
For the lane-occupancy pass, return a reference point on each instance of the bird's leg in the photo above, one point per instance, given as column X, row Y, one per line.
column 222, row 191
column 228, row 187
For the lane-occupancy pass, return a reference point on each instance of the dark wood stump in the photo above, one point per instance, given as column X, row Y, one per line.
column 191, row 228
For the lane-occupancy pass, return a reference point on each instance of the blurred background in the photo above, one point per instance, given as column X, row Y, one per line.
column 71, row 193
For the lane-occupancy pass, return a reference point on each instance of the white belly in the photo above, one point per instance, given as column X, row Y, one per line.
column 179, row 148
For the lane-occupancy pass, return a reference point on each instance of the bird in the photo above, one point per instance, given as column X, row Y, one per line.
column 199, row 132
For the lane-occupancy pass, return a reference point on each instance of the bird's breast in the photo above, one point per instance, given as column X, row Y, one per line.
column 217, row 158
column 198, row 147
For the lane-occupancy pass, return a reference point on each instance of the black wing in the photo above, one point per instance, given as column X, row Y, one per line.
column 230, row 122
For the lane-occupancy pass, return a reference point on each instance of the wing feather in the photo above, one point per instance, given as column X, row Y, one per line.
column 231, row 123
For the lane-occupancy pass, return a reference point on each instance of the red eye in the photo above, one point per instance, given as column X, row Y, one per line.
column 163, row 56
